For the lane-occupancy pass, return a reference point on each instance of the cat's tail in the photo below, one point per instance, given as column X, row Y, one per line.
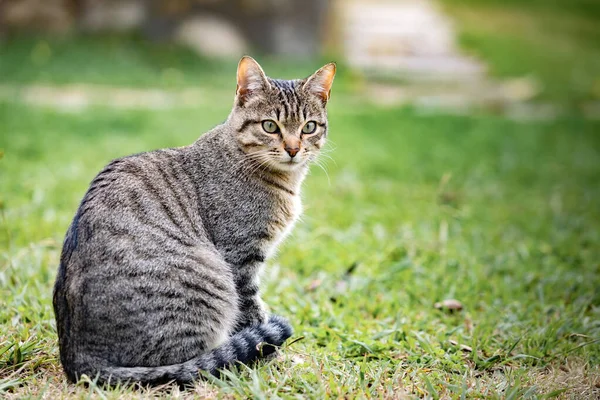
column 243, row 347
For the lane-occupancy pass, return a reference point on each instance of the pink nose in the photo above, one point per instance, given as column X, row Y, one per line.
column 292, row 151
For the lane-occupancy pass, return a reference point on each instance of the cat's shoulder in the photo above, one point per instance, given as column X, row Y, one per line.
column 142, row 162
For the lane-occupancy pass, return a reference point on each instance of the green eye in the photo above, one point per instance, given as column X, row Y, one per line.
column 310, row 127
column 270, row 126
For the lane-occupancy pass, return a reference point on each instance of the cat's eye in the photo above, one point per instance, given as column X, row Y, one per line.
column 309, row 127
column 270, row 126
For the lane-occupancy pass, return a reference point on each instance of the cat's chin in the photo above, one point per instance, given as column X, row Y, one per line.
column 288, row 166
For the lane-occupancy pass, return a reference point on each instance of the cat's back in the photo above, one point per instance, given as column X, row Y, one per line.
column 147, row 195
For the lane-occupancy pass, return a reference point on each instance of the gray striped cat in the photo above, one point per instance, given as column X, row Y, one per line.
column 160, row 268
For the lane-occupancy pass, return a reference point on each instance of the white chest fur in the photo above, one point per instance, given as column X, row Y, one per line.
column 280, row 225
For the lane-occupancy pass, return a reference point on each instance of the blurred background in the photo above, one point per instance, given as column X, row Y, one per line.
column 530, row 58
column 463, row 162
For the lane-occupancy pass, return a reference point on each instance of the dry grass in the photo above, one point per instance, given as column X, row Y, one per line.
column 576, row 378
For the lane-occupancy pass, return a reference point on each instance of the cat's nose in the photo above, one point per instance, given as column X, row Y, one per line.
column 292, row 151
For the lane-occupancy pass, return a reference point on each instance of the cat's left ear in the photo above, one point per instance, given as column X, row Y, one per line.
column 250, row 78
column 320, row 82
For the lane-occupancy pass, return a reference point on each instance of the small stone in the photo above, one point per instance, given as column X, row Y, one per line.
column 449, row 304
column 463, row 347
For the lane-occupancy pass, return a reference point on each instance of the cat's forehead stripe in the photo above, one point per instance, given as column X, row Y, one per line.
column 288, row 96
column 285, row 84
column 285, row 103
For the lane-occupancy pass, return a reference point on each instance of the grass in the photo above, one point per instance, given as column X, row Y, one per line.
column 117, row 60
column 414, row 209
column 555, row 43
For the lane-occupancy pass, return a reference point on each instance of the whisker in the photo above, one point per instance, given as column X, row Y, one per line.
column 251, row 159
column 328, row 157
column 319, row 163
column 261, row 164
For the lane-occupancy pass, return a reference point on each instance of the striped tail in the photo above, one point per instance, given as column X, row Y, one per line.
column 241, row 347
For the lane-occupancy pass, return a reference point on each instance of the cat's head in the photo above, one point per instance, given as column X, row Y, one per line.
column 280, row 125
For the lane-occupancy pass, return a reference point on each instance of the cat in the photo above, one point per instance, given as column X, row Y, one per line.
column 160, row 268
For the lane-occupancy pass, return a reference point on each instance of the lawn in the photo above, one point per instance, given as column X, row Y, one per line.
column 554, row 43
column 413, row 209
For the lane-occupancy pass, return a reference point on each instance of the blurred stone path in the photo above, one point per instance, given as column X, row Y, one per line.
column 408, row 53
column 502, row 98
column 408, row 39
column 79, row 97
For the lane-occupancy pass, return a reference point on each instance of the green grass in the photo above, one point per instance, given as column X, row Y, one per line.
column 414, row 209
column 118, row 60
column 556, row 43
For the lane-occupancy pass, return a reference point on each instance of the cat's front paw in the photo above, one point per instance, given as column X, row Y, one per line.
column 282, row 325
column 274, row 333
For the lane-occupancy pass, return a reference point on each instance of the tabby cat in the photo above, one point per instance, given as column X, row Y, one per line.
column 160, row 268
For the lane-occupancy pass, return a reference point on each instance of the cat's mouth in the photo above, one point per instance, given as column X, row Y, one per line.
column 291, row 164
column 297, row 160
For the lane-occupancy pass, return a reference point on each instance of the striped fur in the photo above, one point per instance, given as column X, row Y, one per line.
column 160, row 270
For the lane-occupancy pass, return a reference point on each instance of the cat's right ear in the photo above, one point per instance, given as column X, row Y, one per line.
column 320, row 82
column 250, row 79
